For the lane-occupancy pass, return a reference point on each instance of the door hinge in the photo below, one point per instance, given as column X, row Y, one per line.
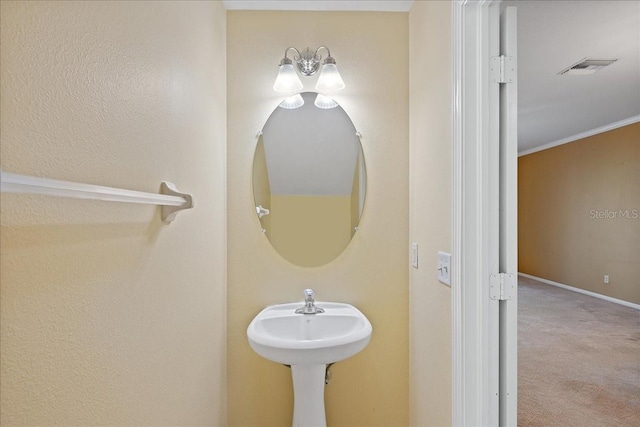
column 503, row 69
column 502, row 286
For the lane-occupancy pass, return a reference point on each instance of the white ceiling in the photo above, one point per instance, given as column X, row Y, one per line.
column 552, row 35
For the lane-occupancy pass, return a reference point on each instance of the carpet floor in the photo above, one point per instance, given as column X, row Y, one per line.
column 578, row 359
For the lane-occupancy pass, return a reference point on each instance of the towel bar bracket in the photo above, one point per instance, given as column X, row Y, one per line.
column 169, row 212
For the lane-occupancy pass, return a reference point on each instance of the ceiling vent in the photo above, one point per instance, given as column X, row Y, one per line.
column 587, row 66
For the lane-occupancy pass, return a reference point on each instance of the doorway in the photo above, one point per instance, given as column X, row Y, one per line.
column 577, row 354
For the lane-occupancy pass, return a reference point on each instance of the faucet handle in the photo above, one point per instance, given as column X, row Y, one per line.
column 309, row 295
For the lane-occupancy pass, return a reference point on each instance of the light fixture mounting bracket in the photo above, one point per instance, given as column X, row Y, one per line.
column 308, row 62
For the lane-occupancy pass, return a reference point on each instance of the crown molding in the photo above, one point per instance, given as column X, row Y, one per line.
column 321, row 5
column 596, row 131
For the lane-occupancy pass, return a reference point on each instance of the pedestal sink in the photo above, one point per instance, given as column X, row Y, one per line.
column 309, row 342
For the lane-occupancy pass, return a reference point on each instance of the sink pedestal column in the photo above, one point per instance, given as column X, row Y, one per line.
column 308, row 395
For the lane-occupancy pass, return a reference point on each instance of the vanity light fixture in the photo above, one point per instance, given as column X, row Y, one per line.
column 287, row 81
column 308, row 63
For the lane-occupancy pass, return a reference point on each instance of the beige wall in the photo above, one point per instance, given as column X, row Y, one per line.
column 297, row 220
column 571, row 229
column 430, row 211
column 108, row 316
column 371, row 50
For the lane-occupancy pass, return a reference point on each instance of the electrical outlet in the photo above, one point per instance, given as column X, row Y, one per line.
column 606, row 278
column 444, row 268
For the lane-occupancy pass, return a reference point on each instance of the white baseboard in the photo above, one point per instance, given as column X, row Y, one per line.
column 582, row 291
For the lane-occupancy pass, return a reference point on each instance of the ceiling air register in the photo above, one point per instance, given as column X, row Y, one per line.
column 587, row 66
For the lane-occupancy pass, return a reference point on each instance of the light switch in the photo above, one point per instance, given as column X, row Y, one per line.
column 414, row 255
column 444, row 268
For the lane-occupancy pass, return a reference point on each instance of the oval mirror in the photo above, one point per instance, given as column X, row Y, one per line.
column 309, row 179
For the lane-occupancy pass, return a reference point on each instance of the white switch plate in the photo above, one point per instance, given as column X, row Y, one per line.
column 414, row 255
column 444, row 268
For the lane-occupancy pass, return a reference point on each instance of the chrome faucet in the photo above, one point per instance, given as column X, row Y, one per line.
column 309, row 306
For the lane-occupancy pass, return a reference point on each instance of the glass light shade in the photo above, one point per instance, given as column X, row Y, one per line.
column 292, row 102
column 287, row 81
column 324, row 102
column 329, row 80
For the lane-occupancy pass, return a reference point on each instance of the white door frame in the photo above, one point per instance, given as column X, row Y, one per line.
column 475, row 328
column 509, row 218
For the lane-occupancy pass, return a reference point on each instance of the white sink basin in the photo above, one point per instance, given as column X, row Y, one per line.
column 281, row 335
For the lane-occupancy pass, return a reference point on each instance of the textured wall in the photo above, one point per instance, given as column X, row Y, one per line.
column 579, row 213
column 371, row 50
column 430, row 211
column 109, row 317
